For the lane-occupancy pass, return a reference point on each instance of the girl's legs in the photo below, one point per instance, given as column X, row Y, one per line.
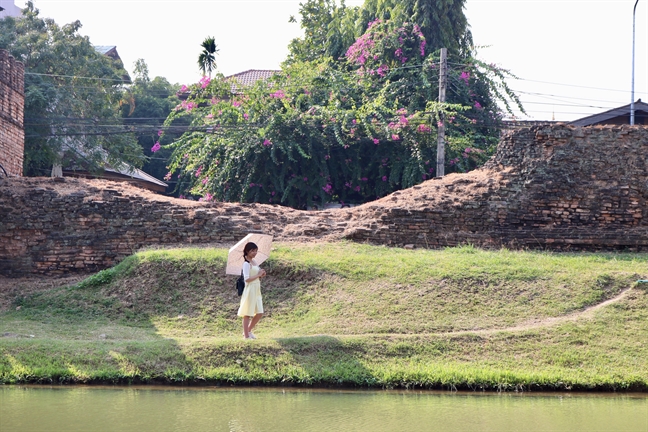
column 254, row 322
column 246, row 326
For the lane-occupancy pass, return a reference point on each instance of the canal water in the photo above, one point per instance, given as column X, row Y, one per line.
column 153, row 408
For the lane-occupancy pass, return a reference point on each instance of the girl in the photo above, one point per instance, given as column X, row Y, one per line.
column 251, row 308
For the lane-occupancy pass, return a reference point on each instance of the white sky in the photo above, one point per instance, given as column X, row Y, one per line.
column 575, row 55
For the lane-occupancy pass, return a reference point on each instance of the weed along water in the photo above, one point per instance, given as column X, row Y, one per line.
column 143, row 409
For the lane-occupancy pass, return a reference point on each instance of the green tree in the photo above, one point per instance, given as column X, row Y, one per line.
column 145, row 106
column 442, row 22
column 329, row 30
column 207, row 57
column 72, row 95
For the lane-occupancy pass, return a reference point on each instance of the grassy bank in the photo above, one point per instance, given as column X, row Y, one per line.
column 344, row 314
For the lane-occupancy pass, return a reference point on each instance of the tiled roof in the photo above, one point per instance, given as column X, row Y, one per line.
column 249, row 77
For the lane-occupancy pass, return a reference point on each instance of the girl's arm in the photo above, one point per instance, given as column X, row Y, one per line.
column 246, row 273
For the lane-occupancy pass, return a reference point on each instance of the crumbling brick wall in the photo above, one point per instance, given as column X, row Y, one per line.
column 547, row 187
column 12, row 105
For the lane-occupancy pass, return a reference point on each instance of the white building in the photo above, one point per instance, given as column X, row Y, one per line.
column 9, row 9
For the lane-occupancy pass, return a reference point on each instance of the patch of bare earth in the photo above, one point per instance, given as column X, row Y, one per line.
column 12, row 288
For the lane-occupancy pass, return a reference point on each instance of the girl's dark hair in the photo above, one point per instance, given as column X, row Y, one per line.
column 249, row 247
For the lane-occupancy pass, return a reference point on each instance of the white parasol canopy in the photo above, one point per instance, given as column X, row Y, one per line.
column 235, row 256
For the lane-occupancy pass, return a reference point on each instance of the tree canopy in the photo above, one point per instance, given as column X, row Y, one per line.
column 72, row 95
column 144, row 107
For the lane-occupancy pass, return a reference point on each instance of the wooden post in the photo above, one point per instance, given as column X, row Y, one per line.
column 443, row 72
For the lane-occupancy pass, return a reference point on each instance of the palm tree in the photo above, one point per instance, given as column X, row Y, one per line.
column 207, row 59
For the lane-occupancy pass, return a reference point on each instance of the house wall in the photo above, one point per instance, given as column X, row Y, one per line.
column 557, row 187
column 12, row 105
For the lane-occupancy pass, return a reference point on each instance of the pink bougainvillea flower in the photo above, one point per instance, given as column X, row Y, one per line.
column 465, row 76
column 384, row 178
column 279, row 94
column 364, row 179
column 468, row 150
column 209, row 116
column 327, row 157
column 208, row 196
column 205, row 180
column 305, row 179
column 160, row 132
column 167, row 177
column 478, row 105
column 204, row 81
column 395, row 137
column 376, row 141
column 328, row 189
column 424, row 128
column 440, row 124
column 246, row 116
column 182, row 197
column 357, row 188
column 236, row 104
column 267, row 142
column 198, row 171
column 155, row 147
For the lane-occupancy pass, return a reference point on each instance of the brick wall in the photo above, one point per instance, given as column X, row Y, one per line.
column 548, row 187
column 12, row 105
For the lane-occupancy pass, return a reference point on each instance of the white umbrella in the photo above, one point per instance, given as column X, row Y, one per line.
column 235, row 256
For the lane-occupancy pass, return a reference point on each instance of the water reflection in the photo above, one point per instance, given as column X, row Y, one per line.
column 38, row 408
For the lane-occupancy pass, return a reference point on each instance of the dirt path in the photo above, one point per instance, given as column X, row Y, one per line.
column 551, row 321
column 11, row 288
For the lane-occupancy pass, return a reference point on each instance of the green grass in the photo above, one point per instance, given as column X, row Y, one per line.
column 344, row 314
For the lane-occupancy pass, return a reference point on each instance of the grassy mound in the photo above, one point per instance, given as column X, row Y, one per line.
column 344, row 314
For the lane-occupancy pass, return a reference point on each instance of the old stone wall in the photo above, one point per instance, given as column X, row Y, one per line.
column 12, row 105
column 547, row 187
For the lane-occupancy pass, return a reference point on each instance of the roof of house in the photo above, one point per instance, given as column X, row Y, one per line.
column 133, row 172
column 249, row 77
column 122, row 168
column 610, row 114
column 105, row 49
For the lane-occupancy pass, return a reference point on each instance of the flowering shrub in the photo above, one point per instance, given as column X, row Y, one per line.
column 348, row 131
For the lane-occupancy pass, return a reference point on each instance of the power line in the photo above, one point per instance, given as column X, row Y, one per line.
column 76, row 77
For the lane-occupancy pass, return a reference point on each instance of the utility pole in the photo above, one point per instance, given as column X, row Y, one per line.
column 632, row 103
column 443, row 79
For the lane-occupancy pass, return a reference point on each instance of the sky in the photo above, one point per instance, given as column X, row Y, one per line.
column 572, row 58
